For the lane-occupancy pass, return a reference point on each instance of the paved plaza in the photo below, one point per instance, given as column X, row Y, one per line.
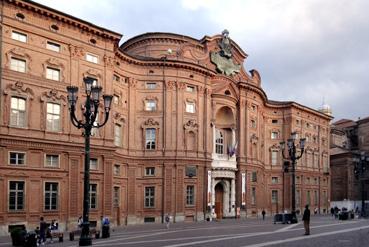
column 325, row 231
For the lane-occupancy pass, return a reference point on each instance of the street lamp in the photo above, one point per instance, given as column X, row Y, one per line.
column 292, row 148
column 90, row 110
column 361, row 161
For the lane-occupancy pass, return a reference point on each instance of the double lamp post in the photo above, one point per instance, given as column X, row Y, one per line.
column 90, row 112
column 293, row 155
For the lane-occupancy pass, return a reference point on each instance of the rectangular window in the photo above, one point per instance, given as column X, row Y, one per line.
column 116, row 78
column 190, row 195
column 150, row 171
column 18, row 112
column 118, row 135
column 254, row 177
column 274, row 157
column 53, row 117
column 150, row 139
column 274, row 135
column 18, row 65
column 52, row 74
column 91, row 58
column 16, row 195
column 52, row 46
column 190, row 107
column 149, row 197
column 190, row 89
column 117, row 170
column 253, row 124
column 274, row 121
column 19, row 36
column 116, row 99
column 150, row 85
column 316, row 197
column 219, row 142
column 150, row 105
column 274, row 196
column 274, row 180
column 308, row 197
column 253, row 195
column 93, row 196
column 116, row 196
column 93, row 164
column 52, row 160
column 17, row 158
column 51, row 196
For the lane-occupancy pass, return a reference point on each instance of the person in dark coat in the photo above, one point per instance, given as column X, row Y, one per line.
column 43, row 228
column 306, row 219
column 263, row 214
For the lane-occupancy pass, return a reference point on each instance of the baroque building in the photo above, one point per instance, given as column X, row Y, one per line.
column 191, row 131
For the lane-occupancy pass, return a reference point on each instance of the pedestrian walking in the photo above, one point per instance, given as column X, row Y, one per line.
column 43, row 228
column 263, row 213
column 167, row 220
column 306, row 219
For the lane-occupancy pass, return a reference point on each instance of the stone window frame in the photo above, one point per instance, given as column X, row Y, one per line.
column 277, row 132
column 50, row 45
column 24, row 196
column 151, row 99
column 117, row 172
column 18, row 89
column 190, row 102
column 118, row 119
column 253, row 196
column 151, row 85
column 117, row 199
column 150, row 197
column 53, row 96
column 92, row 56
column 51, row 154
column 190, row 88
column 275, row 149
column 309, row 157
column 190, row 197
column 54, row 64
column 274, row 196
column 20, row 54
column 150, row 171
column 97, row 164
column 96, row 194
column 274, row 180
column 53, row 129
column 190, row 127
column 57, row 196
column 20, row 34
column 20, row 112
column 150, row 123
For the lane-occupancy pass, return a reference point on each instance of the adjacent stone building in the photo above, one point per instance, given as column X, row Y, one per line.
column 190, row 131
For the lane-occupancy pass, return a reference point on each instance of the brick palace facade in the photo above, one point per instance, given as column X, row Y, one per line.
column 190, row 131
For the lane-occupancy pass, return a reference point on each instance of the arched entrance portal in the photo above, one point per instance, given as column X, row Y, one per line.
column 219, row 192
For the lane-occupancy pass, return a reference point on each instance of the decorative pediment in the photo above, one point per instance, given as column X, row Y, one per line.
column 227, row 88
column 18, row 53
column 191, row 125
column 108, row 61
column 19, row 88
column 254, row 139
column 55, row 63
column 150, row 123
column 275, row 147
column 76, row 51
column 54, row 96
column 93, row 73
column 119, row 117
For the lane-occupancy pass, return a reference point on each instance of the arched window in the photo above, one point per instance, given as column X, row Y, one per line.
column 219, row 142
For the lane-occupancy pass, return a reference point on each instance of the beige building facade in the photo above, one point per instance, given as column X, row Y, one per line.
column 191, row 131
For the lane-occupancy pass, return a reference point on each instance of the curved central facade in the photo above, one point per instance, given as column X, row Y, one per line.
column 191, row 132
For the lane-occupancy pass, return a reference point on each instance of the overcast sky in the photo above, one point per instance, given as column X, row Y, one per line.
column 305, row 50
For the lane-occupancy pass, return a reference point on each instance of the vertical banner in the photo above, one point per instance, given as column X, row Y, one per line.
column 243, row 189
column 209, row 188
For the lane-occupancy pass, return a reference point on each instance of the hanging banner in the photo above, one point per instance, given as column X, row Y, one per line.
column 209, row 188
column 243, row 189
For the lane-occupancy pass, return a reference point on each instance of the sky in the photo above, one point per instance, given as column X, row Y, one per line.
column 308, row 51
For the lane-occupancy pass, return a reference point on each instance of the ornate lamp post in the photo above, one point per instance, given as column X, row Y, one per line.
column 292, row 148
column 361, row 161
column 90, row 111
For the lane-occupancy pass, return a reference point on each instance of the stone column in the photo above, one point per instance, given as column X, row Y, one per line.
column 233, row 197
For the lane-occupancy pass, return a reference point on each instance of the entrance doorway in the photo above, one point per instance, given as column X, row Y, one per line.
column 219, row 191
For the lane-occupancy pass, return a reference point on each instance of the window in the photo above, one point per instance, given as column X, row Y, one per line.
column 52, row 46
column 16, row 195
column 190, row 195
column 274, row 121
column 116, row 170
column 219, row 142
column 52, row 160
column 116, row 196
column 274, row 180
column 150, row 85
column 190, row 107
column 17, row 158
column 149, row 197
column 116, row 99
column 116, row 78
column 253, row 195
column 150, row 139
column 274, row 135
column 316, row 197
column 53, row 117
column 253, row 124
column 91, row 58
column 93, row 164
column 150, row 171
column 274, row 196
column 52, row 74
column 93, row 196
column 308, row 197
column 274, row 157
column 315, row 160
column 18, row 112
column 254, row 177
column 18, row 65
column 150, row 105
column 51, row 196
column 117, row 135
column 190, row 88
column 19, row 36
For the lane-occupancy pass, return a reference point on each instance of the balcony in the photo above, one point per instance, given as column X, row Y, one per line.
column 224, row 161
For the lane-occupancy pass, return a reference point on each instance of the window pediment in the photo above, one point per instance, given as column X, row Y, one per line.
column 53, row 95
column 18, row 53
column 150, row 123
column 191, row 125
column 20, row 89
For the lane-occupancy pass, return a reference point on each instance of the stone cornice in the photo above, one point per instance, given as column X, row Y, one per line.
column 68, row 19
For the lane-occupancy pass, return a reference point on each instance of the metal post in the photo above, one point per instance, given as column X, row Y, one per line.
column 293, row 210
